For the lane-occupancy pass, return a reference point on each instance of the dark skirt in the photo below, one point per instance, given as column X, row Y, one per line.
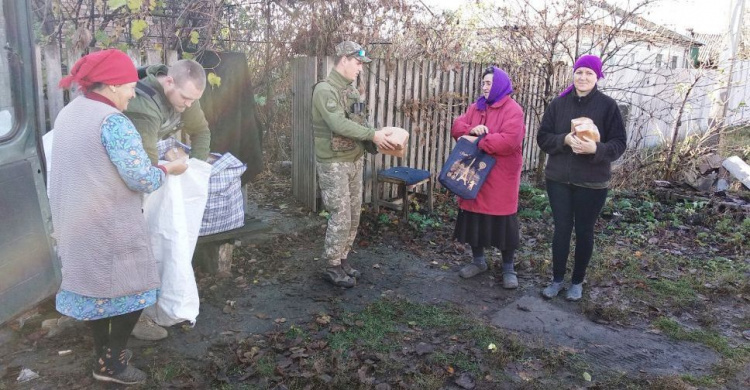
column 482, row 230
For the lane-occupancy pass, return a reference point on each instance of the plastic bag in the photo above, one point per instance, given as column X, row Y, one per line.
column 174, row 213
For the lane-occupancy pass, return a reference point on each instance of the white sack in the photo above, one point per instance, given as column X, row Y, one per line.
column 47, row 140
column 174, row 213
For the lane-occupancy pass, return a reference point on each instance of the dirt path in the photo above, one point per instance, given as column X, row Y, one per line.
column 275, row 285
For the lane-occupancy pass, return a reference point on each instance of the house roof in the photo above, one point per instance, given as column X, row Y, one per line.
column 711, row 46
column 648, row 25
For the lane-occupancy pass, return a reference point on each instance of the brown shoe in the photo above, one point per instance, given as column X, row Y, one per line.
column 146, row 329
column 337, row 277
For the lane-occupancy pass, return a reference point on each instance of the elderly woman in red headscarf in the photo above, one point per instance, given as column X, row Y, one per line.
column 491, row 220
column 579, row 168
column 109, row 273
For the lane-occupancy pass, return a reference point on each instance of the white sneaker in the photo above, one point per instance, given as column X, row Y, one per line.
column 146, row 329
column 575, row 292
column 552, row 290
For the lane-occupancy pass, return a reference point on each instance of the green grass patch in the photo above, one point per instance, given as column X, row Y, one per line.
column 702, row 381
column 675, row 292
column 381, row 327
column 265, row 366
column 165, row 373
column 459, row 360
column 370, row 329
column 711, row 339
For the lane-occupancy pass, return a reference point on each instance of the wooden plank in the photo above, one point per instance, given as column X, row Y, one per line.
column 154, row 57
column 448, row 122
column 413, row 91
column 399, row 82
column 304, row 179
column 72, row 55
column 171, row 57
column 390, row 107
column 368, row 174
column 471, row 84
column 423, row 117
column 380, row 108
column 436, row 75
column 439, row 121
column 398, row 121
column 135, row 55
column 41, row 107
column 55, row 96
column 464, row 87
column 529, row 111
column 371, row 100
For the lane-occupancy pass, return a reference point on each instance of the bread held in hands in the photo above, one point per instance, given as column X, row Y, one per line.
column 400, row 138
column 585, row 129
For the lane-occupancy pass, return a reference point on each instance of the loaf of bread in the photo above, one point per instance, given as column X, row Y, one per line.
column 400, row 138
column 585, row 129
column 174, row 153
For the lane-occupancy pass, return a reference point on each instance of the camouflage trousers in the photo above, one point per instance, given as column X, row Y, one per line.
column 341, row 188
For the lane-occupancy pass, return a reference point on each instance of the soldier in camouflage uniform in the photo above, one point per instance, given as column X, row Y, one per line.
column 340, row 136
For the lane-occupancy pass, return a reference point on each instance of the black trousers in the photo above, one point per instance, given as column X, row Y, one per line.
column 113, row 332
column 579, row 207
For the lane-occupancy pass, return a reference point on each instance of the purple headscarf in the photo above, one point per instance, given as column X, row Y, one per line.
column 588, row 61
column 501, row 87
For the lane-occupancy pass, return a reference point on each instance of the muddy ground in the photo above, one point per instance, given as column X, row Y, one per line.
column 273, row 323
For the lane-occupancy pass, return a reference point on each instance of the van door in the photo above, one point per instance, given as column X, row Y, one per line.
column 29, row 269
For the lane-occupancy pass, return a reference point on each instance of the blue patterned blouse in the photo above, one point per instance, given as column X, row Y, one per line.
column 125, row 149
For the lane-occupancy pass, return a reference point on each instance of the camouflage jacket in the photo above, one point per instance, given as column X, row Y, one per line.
column 155, row 119
column 338, row 120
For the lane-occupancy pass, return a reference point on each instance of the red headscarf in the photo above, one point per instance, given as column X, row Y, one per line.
column 110, row 67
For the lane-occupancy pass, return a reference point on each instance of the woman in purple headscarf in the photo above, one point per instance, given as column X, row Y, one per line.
column 491, row 219
column 578, row 170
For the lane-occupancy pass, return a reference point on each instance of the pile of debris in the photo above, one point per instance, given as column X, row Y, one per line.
column 721, row 181
column 714, row 172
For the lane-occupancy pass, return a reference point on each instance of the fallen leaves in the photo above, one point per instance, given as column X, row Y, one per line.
column 323, row 319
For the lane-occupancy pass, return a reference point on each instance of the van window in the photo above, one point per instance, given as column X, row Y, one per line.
column 6, row 101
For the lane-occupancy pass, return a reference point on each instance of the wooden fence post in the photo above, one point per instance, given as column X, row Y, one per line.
column 41, row 107
column 304, row 178
column 55, row 97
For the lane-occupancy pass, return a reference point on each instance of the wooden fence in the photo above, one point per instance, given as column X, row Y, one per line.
column 423, row 98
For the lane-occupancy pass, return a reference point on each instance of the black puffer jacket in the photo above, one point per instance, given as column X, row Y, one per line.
column 567, row 167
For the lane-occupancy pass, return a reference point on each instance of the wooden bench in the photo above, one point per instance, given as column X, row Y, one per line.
column 213, row 253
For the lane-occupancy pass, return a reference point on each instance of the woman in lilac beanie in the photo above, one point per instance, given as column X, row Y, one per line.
column 578, row 169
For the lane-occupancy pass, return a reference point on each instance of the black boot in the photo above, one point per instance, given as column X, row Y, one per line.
column 349, row 270
column 338, row 277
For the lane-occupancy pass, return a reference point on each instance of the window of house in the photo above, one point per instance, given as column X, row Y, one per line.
column 658, row 61
column 674, row 62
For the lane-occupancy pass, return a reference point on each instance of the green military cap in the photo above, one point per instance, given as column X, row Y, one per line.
column 351, row 49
